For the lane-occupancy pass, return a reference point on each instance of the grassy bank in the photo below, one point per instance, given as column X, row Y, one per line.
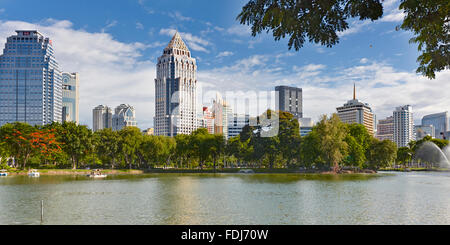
column 415, row 169
column 76, row 171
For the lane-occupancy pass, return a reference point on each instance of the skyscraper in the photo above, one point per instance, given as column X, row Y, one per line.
column 124, row 116
column 30, row 80
column 102, row 117
column 403, row 125
column 70, row 97
column 289, row 99
column 385, row 129
column 175, row 88
column 440, row 122
column 355, row 111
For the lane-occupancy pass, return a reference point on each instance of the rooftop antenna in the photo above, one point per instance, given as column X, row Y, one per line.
column 354, row 91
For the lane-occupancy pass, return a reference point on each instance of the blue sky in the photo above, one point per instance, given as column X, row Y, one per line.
column 114, row 46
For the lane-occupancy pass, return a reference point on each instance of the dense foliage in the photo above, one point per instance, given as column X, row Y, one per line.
column 319, row 22
column 331, row 145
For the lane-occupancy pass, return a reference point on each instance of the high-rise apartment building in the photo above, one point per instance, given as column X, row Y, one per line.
column 175, row 88
column 102, row 117
column 440, row 122
column 30, row 80
column 70, row 97
column 403, row 125
column 385, row 129
column 124, row 116
column 355, row 111
column 289, row 99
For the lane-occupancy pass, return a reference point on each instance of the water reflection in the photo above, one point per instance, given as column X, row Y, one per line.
column 400, row 198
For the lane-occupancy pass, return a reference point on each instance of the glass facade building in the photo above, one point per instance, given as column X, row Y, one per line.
column 70, row 97
column 30, row 80
column 439, row 121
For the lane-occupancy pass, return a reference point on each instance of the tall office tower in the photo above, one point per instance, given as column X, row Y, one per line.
column 102, row 118
column 124, row 116
column 30, row 80
column 355, row 111
column 175, row 88
column 306, row 124
column 420, row 131
column 385, row 129
column 440, row 121
column 403, row 125
column 289, row 99
column 70, row 97
column 236, row 122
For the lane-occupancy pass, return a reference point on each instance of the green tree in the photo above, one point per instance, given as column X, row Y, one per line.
column 381, row 154
column 319, row 21
column 332, row 133
column 108, row 147
column 310, row 151
column 404, row 155
column 130, row 140
column 430, row 23
column 289, row 136
column 76, row 141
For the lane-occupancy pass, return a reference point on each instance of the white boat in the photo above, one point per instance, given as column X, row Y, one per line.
column 96, row 173
column 3, row 173
column 246, row 171
column 33, row 173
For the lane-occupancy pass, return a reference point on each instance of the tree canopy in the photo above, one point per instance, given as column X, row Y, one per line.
column 320, row 21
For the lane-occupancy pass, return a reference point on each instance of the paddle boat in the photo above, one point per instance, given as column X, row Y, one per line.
column 96, row 173
column 3, row 173
column 246, row 171
column 33, row 173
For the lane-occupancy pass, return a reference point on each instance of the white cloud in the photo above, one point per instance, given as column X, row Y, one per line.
column 109, row 25
column 194, row 42
column 239, row 30
column 355, row 27
column 363, row 61
column 177, row 15
column 139, row 26
column 110, row 71
column 224, row 54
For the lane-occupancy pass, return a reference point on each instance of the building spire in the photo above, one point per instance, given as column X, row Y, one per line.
column 354, row 91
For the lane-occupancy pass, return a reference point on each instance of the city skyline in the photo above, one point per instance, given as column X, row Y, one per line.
column 229, row 57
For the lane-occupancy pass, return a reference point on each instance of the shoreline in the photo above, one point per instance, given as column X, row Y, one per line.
column 78, row 172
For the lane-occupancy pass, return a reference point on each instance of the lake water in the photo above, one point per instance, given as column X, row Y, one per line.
column 384, row 198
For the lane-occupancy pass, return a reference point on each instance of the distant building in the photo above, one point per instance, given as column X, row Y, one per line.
column 101, row 118
column 355, row 111
column 306, row 124
column 149, row 131
column 403, row 125
column 440, row 122
column 289, row 99
column 124, row 116
column 385, row 129
column 70, row 97
column 236, row 123
column 221, row 110
column 30, row 80
column 420, row 131
column 207, row 120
